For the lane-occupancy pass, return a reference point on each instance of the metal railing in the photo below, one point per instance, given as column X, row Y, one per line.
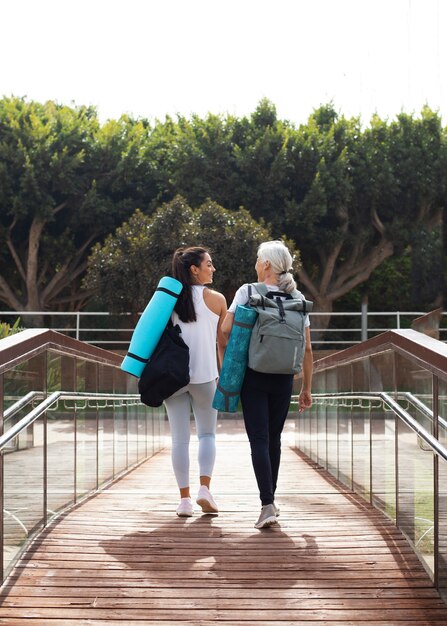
column 378, row 425
column 346, row 328
column 58, row 446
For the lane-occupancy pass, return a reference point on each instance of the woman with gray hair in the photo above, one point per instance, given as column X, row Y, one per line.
column 265, row 397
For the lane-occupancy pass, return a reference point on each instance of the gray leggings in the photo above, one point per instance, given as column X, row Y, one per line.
column 178, row 408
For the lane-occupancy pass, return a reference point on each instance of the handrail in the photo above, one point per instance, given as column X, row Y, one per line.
column 391, row 450
column 22, row 346
column 93, row 437
column 28, row 419
column 423, row 350
column 418, row 404
column 409, row 420
column 17, row 406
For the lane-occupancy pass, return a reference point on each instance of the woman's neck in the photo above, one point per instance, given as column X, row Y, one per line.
column 270, row 278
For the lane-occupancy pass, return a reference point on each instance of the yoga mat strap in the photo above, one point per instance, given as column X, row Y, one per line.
column 168, row 291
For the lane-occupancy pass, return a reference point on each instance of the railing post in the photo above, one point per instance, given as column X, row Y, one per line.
column 78, row 324
column 365, row 318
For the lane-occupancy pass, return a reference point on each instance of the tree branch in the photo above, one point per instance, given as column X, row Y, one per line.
column 13, row 251
column 71, row 269
column 364, row 269
column 377, row 222
column 329, row 267
column 350, row 267
column 8, row 296
column 80, row 299
column 59, row 207
column 307, row 282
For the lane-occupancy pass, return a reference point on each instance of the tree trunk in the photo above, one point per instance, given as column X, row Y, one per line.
column 320, row 323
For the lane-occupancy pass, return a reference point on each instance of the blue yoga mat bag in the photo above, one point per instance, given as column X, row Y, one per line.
column 151, row 325
column 235, row 360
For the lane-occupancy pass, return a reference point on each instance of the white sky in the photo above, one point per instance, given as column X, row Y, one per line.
column 156, row 57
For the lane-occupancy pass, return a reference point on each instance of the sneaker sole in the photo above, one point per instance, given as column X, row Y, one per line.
column 207, row 507
column 269, row 521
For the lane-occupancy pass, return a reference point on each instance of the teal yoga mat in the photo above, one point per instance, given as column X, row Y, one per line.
column 151, row 325
column 235, row 360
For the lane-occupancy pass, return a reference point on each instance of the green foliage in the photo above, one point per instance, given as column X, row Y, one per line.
column 6, row 329
column 348, row 196
column 64, row 183
column 125, row 270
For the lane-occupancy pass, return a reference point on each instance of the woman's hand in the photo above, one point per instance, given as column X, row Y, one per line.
column 304, row 400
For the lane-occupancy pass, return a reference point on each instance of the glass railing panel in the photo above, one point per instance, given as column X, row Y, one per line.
column 344, row 444
column 344, row 384
column 360, row 374
column 413, row 381
column 70, row 429
column 23, row 504
column 361, row 431
column 442, row 534
column 442, row 494
column 383, row 459
column 25, row 379
column 361, row 450
column 332, row 424
column 442, row 411
column 60, row 434
column 120, row 439
column 105, row 425
column 416, row 493
column 303, row 421
column 142, row 432
column 318, row 413
column 381, row 372
column 313, row 434
column 122, row 384
column 132, row 434
column 86, row 417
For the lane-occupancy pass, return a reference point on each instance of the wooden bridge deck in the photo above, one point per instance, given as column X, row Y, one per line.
column 124, row 558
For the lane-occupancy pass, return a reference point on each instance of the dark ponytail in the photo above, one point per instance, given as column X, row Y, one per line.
column 181, row 262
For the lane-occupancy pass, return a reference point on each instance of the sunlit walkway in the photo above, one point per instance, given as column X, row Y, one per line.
column 124, row 558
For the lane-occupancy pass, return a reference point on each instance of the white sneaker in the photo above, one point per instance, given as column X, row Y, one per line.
column 267, row 516
column 277, row 510
column 206, row 501
column 185, row 508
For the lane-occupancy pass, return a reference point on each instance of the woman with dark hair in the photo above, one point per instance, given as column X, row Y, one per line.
column 199, row 312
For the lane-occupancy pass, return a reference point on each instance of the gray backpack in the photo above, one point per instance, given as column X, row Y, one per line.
column 278, row 339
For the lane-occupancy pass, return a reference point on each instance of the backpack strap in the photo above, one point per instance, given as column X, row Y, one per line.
column 261, row 288
column 249, row 294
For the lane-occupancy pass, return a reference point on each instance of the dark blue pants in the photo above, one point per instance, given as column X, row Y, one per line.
column 265, row 400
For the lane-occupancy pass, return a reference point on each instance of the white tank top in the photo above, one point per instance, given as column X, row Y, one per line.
column 200, row 336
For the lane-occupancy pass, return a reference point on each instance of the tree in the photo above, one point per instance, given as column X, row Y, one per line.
column 125, row 270
column 64, row 182
column 233, row 238
column 368, row 193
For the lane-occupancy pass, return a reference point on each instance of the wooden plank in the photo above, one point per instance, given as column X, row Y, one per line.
column 123, row 557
